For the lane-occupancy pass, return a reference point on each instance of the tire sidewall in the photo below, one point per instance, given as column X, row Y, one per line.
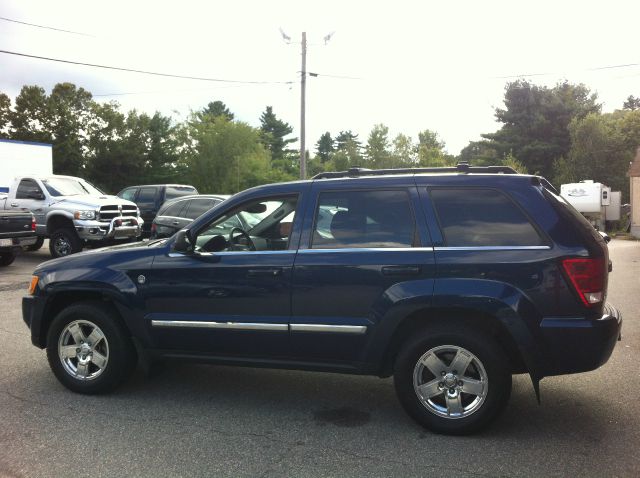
column 7, row 258
column 121, row 353
column 70, row 236
column 38, row 244
column 485, row 349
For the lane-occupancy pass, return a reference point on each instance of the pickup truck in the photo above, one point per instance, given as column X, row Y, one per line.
column 73, row 213
column 17, row 230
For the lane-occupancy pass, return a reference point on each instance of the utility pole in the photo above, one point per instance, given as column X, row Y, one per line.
column 303, row 91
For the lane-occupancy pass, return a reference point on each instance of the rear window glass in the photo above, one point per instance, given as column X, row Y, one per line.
column 173, row 209
column 199, row 206
column 482, row 217
column 177, row 191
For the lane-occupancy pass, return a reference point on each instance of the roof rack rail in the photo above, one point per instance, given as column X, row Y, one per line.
column 461, row 167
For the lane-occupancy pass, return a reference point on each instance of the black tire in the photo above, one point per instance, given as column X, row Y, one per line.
column 120, row 351
column 64, row 242
column 37, row 245
column 493, row 365
column 7, row 258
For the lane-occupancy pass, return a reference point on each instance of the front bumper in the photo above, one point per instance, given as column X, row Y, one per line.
column 579, row 345
column 32, row 310
column 125, row 227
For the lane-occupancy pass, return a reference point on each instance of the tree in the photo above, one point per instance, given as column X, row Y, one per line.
column 225, row 156
column 632, row 103
column 345, row 138
column 403, row 154
column 5, row 112
column 536, row 122
column 274, row 134
column 377, row 152
column 217, row 108
column 431, row 151
column 324, row 147
column 30, row 116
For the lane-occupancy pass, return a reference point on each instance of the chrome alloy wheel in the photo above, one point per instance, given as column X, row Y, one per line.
column 83, row 350
column 62, row 246
column 450, row 381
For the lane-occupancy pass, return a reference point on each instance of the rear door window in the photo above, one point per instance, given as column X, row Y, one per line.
column 147, row 195
column 28, row 189
column 364, row 219
column 174, row 209
column 474, row 217
column 199, row 206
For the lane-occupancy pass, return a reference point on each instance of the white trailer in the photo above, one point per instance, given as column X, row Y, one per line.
column 594, row 200
column 23, row 158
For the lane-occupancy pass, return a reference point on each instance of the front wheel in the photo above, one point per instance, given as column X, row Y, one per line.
column 7, row 258
column 88, row 350
column 63, row 242
column 453, row 380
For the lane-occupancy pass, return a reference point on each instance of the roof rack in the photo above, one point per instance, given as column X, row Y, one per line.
column 461, row 167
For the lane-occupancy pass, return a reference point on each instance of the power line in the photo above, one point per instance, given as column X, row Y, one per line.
column 144, row 72
column 597, row 68
column 44, row 27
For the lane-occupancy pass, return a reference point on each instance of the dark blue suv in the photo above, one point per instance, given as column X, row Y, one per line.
column 451, row 280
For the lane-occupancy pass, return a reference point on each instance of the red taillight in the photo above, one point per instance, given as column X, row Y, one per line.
column 33, row 223
column 154, row 227
column 588, row 279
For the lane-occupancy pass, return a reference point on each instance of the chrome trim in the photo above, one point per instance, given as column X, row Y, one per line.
column 235, row 253
column 341, row 329
column 369, row 249
column 493, row 248
column 220, row 325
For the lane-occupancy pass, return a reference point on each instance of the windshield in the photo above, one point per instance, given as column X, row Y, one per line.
column 70, row 187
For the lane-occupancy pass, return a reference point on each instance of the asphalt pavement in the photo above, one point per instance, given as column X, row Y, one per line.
column 201, row 420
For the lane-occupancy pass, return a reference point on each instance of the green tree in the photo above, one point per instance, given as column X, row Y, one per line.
column 225, row 156
column 345, row 139
column 217, row 108
column 377, row 149
column 324, row 147
column 431, row 152
column 5, row 112
column 403, row 154
column 632, row 103
column 30, row 119
column 274, row 134
column 536, row 122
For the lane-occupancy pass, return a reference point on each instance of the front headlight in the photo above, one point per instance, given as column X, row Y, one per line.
column 84, row 215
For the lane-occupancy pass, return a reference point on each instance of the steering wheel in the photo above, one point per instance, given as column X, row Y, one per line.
column 232, row 239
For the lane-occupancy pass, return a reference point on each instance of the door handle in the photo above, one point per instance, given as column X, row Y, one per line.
column 272, row 272
column 176, row 223
column 401, row 270
column 15, row 204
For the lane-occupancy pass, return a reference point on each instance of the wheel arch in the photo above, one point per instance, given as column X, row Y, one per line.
column 57, row 221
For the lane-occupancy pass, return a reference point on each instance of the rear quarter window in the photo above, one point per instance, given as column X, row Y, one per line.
column 473, row 217
column 176, row 191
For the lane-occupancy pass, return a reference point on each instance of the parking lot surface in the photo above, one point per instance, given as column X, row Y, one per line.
column 202, row 420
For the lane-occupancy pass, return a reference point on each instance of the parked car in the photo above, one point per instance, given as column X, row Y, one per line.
column 150, row 197
column 448, row 279
column 72, row 213
column 178, row 213
column 17, row 230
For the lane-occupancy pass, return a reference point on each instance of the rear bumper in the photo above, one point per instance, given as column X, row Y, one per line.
column 578, row 345
column 7, row 244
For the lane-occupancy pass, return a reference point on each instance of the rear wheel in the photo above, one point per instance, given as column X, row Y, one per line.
column 7, row 258
column 63, row 242
column 453, row 380
column 37, row 245
column 88, row 350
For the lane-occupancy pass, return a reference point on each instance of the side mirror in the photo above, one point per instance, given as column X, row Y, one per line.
column 183, row 242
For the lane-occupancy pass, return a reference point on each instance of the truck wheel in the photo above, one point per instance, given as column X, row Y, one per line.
column 452, row 380
column 88, row 350
column 37, row 245
column 64, row 242
column 7, row 258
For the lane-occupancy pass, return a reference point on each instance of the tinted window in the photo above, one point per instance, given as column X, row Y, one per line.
column 482, row 217
column 173, row 209
column 128, row 194
column 364, row 219
column 199, row 206
column 177, row 191
column 27, row 189
column 147, row 194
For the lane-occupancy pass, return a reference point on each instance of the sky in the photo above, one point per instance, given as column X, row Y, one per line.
column 412, row 65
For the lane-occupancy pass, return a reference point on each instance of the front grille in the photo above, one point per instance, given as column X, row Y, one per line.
column 109, row 212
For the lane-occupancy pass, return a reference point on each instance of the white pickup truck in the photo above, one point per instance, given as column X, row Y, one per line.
column 72, row 213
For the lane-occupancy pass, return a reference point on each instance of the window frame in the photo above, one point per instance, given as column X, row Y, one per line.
column 417, row 238
column 544, row 238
